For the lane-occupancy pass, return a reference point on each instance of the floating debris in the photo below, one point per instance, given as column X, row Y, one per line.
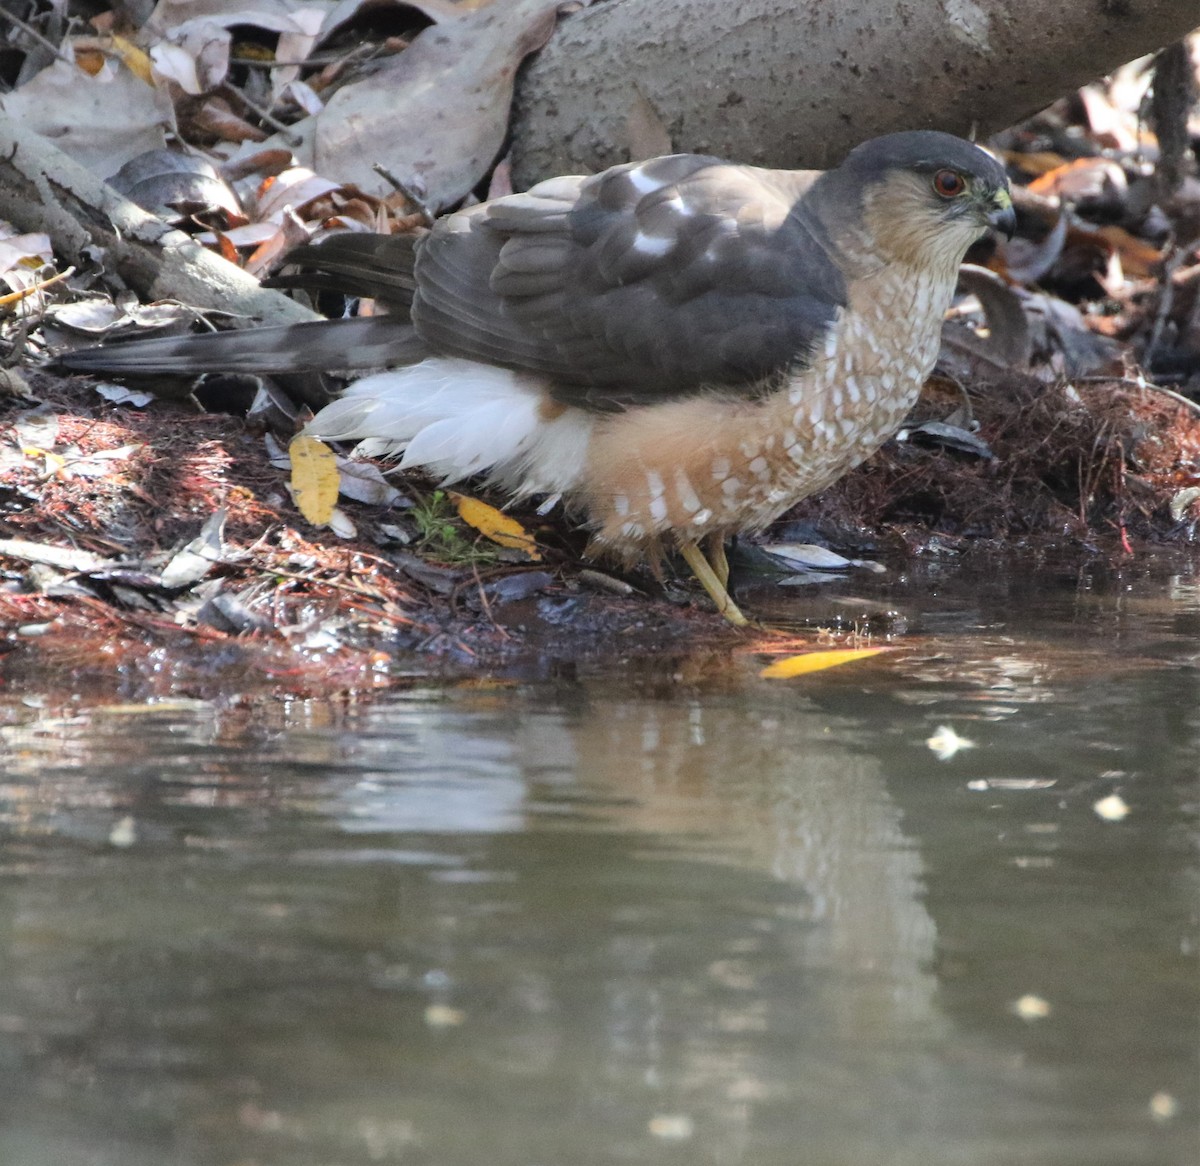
column 443, row 1016
column 806, row 662
column 945, row 743
column 123, row 834
column 1163, row 1106
column 1030, row 1008
column 672, row 1127
column 1112, row 808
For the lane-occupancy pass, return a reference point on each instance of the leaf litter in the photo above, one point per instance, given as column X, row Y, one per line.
column 1063, row 405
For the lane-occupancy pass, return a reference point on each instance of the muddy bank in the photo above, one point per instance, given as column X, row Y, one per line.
column 155, row 549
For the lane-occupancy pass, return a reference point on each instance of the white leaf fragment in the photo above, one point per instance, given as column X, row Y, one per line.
column 1112, row 808
column 1163, row 1106
column 1030, row 1008
column 123, row 833
column 945, row 743
column 672, row 1127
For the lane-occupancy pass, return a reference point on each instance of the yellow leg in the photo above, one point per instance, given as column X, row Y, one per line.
column 716, row 556
column 709, row 580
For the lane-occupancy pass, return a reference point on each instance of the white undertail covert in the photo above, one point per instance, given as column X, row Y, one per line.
column 457, row 418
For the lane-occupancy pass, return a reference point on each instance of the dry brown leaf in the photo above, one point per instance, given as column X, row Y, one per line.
column 294, row 188
column 1035, row 162
column 646, row 131
column 437, row 113
column 1138, row 258
column 1085, row 178
column 100, row 121
column 211, row 116
column 290, row 234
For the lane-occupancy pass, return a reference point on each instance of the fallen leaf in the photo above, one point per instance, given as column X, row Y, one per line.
column 1085, row 180
column 193, row 562
column 296, row 188
column 945, row 742
column 1138, row 258
column 100, row 121
column 1028, row 261
column 955, row 437
column 647, row 133
column 438, row 112
column 314, row 478
column 365, row 482
column 123, row 395
column 1008, row 338
column 807, row 662
column 176, row 186
column 1030, row 1007
column 24, row 250
column 1034, row 163
column 1112, row 808
column 492, row 524
column 97, row 48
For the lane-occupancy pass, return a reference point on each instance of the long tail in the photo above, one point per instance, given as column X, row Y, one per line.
column 378, row 267
column 319, row 346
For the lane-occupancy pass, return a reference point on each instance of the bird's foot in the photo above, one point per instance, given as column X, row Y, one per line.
column 717, row 558
column 711, row 580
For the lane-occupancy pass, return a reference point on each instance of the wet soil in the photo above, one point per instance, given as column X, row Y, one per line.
column 1095, row 471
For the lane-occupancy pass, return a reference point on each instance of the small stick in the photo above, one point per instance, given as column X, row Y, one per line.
column 423, row 208
column 13, row 297
column 37, row 36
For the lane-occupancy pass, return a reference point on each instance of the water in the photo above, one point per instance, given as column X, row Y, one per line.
column 651, row 911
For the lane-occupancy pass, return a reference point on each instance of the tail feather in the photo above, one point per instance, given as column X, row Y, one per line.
column 318, row 346
column 369, row 265
column 457, row 418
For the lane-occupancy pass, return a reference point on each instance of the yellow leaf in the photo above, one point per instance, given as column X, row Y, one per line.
column 91, row 52
column 491, row 523
column 136, row 60
column 314, row 478
column 808, row 662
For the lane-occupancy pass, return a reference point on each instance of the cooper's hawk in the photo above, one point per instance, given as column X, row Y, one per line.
column 681, row 348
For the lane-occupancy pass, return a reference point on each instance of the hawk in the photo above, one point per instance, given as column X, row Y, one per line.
column 680, row 348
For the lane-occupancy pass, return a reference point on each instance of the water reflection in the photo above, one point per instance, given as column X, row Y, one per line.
column 666, row 913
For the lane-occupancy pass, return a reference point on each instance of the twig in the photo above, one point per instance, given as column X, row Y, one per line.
column 1140, row 383
column 483, row 599
column 28, row 30
column 315, row 59
column 423, row 208
column 24, row 292
column 1167, row 300
column 282, row 128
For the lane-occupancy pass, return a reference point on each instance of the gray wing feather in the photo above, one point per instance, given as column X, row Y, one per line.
column 646, row 282
column 368, row 265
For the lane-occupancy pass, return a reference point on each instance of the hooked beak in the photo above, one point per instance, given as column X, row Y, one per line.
column 1002, row 217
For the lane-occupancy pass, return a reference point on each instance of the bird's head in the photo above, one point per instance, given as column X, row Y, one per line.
column 920, row 198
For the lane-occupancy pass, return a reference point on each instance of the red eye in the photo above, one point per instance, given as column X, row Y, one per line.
column 949, row 183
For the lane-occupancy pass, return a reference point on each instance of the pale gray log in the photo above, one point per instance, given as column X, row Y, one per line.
column 41, row 189
column 797, row 82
